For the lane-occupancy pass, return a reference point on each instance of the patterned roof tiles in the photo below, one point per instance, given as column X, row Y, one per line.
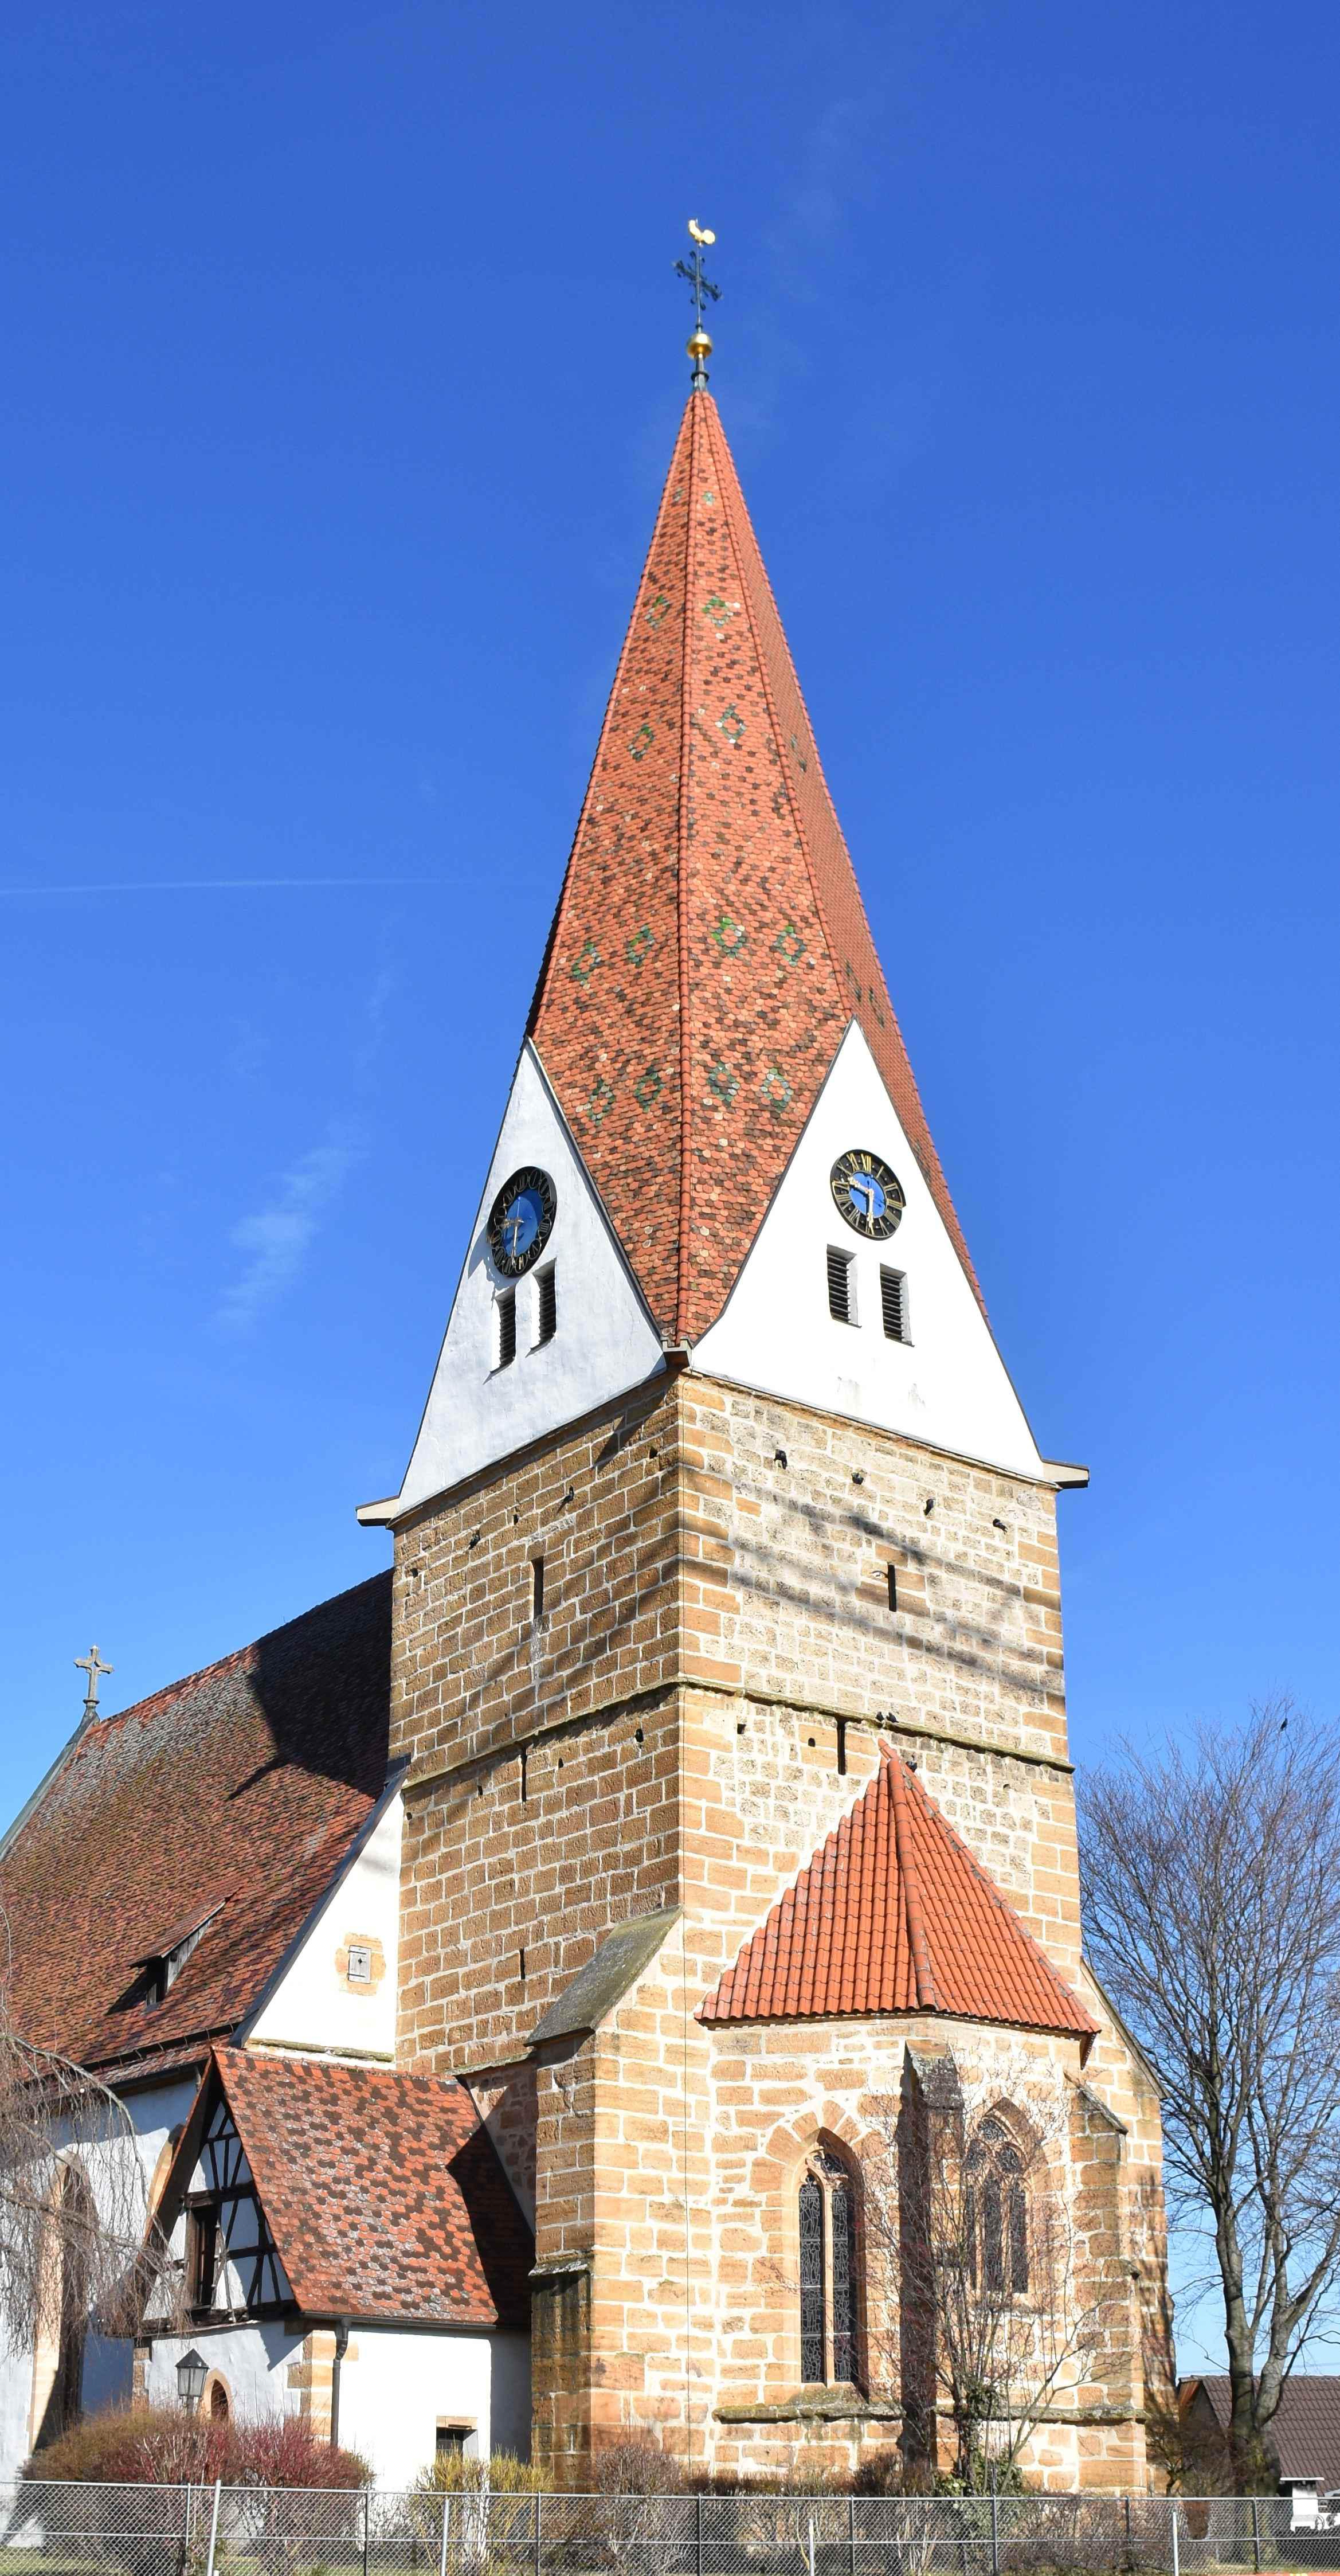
column 246, row 1782
column 710, row 945
column 384, row 2192
column 893, row 1915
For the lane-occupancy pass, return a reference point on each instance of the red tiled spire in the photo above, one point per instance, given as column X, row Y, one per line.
column 710, row 944
column 893, row 1915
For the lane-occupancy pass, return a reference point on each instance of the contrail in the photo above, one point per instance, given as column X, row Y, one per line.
column 217, row 885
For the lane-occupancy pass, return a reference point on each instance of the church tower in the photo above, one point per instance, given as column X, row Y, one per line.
column 727, row 1658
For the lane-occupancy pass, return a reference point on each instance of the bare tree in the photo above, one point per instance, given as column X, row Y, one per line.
column 969, row 2203
column 1212, row 1915
column 77, row 2250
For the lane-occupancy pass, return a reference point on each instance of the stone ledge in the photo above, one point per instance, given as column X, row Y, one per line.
column 844, row 2405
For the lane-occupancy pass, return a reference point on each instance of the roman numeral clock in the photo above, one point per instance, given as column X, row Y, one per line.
column 867, row 1195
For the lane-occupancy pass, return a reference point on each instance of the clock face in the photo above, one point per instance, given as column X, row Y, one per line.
column 521, row 1220
column 867, row 1194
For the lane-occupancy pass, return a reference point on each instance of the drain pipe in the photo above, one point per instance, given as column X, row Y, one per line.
column 341, row 2348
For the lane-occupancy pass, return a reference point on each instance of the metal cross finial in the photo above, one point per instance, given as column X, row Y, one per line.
column 93, row 1665
column 700, row 346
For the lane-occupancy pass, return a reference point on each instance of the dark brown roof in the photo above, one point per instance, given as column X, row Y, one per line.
column 1306, row 2426
column 893, row 1915
column 247, row 1782
column 710, row 946
column 384, row 2192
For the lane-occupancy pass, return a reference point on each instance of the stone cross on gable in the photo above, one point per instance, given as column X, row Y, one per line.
column 93, row 1665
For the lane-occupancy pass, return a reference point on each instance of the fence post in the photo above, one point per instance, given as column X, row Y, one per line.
column 1256, row 2534
column 1126, row 2515
column 698, row 2537
column 213, row 2530
column 1176, row 2565
column 539, row 2499
column 851, row 2535
column 446, row 2527
column 995, row 2525
column 366, row 2514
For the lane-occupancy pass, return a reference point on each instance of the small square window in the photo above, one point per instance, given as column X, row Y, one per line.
column 360, row 1964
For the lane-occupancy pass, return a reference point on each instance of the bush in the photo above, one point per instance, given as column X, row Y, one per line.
column 165, row 2446
column 452, row 2474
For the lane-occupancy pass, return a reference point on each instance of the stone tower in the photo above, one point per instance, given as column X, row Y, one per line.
column 727, row 1656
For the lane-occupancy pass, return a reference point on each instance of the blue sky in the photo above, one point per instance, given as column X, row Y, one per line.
column 342, row 359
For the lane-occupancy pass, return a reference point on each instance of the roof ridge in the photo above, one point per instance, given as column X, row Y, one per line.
column 922, row 1966
column 770, row 701
column 234, row 1661
column 939, row 1822
column 683, row 835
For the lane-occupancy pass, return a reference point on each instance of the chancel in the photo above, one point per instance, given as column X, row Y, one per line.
column 618, row 1977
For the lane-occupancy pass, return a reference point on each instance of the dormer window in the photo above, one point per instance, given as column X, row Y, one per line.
column 163, row 1965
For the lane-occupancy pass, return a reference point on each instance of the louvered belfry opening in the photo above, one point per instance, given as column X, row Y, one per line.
column 546, row 1304
column 893, row 1304
column 506, row 1328
column 839, row 1285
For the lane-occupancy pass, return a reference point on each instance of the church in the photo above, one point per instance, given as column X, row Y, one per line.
column 556, row 1984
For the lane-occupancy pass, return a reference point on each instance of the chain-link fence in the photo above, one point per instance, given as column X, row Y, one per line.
column 68, row 2530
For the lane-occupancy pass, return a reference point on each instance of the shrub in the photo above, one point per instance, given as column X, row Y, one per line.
column 452, row 2474
column 166, row 2446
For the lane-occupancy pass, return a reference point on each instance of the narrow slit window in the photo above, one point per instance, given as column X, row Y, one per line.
column 546, row 1304
column 506, row 1328
column 892, row 1573
column 842, row 2211
column 537, row 1589
column 812, row 2336
column 841, row 1298
column 893, row 1302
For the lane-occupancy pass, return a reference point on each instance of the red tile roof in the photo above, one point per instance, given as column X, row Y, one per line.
column 247, row 1781
column 893, row 1915
column 384, row 2194
column 1306, row 2425
column 710, row 945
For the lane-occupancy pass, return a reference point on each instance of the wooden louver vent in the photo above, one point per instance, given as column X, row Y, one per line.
column 839, row 1285
column 507, row 1328
column 546, row 1305
column 893, row 1304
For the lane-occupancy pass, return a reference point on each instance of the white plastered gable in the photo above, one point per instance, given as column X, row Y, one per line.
column 605, row 1342
column 946, row 1384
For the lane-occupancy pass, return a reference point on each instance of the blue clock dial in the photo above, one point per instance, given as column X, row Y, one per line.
column 521, row 1220
column 868, row 1195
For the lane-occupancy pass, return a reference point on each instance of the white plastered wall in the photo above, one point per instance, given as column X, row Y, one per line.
column 155, row 2115
column 605, row 1342
column 947, row 1384
column 396, row 2386
column 253, row 2360
column 316, row 2005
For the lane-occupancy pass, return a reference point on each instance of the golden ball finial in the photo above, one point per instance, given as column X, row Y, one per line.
column 698, row 346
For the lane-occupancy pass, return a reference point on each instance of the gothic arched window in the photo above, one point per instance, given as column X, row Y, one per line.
column 827, row 2213
column 995, row 2211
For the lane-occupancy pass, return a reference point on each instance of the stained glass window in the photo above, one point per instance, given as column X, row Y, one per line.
column 995, row 2212
column 812, row 2337
column 842, row 2207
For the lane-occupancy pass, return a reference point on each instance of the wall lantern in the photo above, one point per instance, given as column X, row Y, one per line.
column 191, row 2379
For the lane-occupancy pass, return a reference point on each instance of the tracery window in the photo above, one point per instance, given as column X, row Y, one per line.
column 996, row 2211
column 828, row 2278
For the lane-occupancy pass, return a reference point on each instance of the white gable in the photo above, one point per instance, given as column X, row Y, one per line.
column 605, row 1342
column 946, row 1384
column 338, row 1990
